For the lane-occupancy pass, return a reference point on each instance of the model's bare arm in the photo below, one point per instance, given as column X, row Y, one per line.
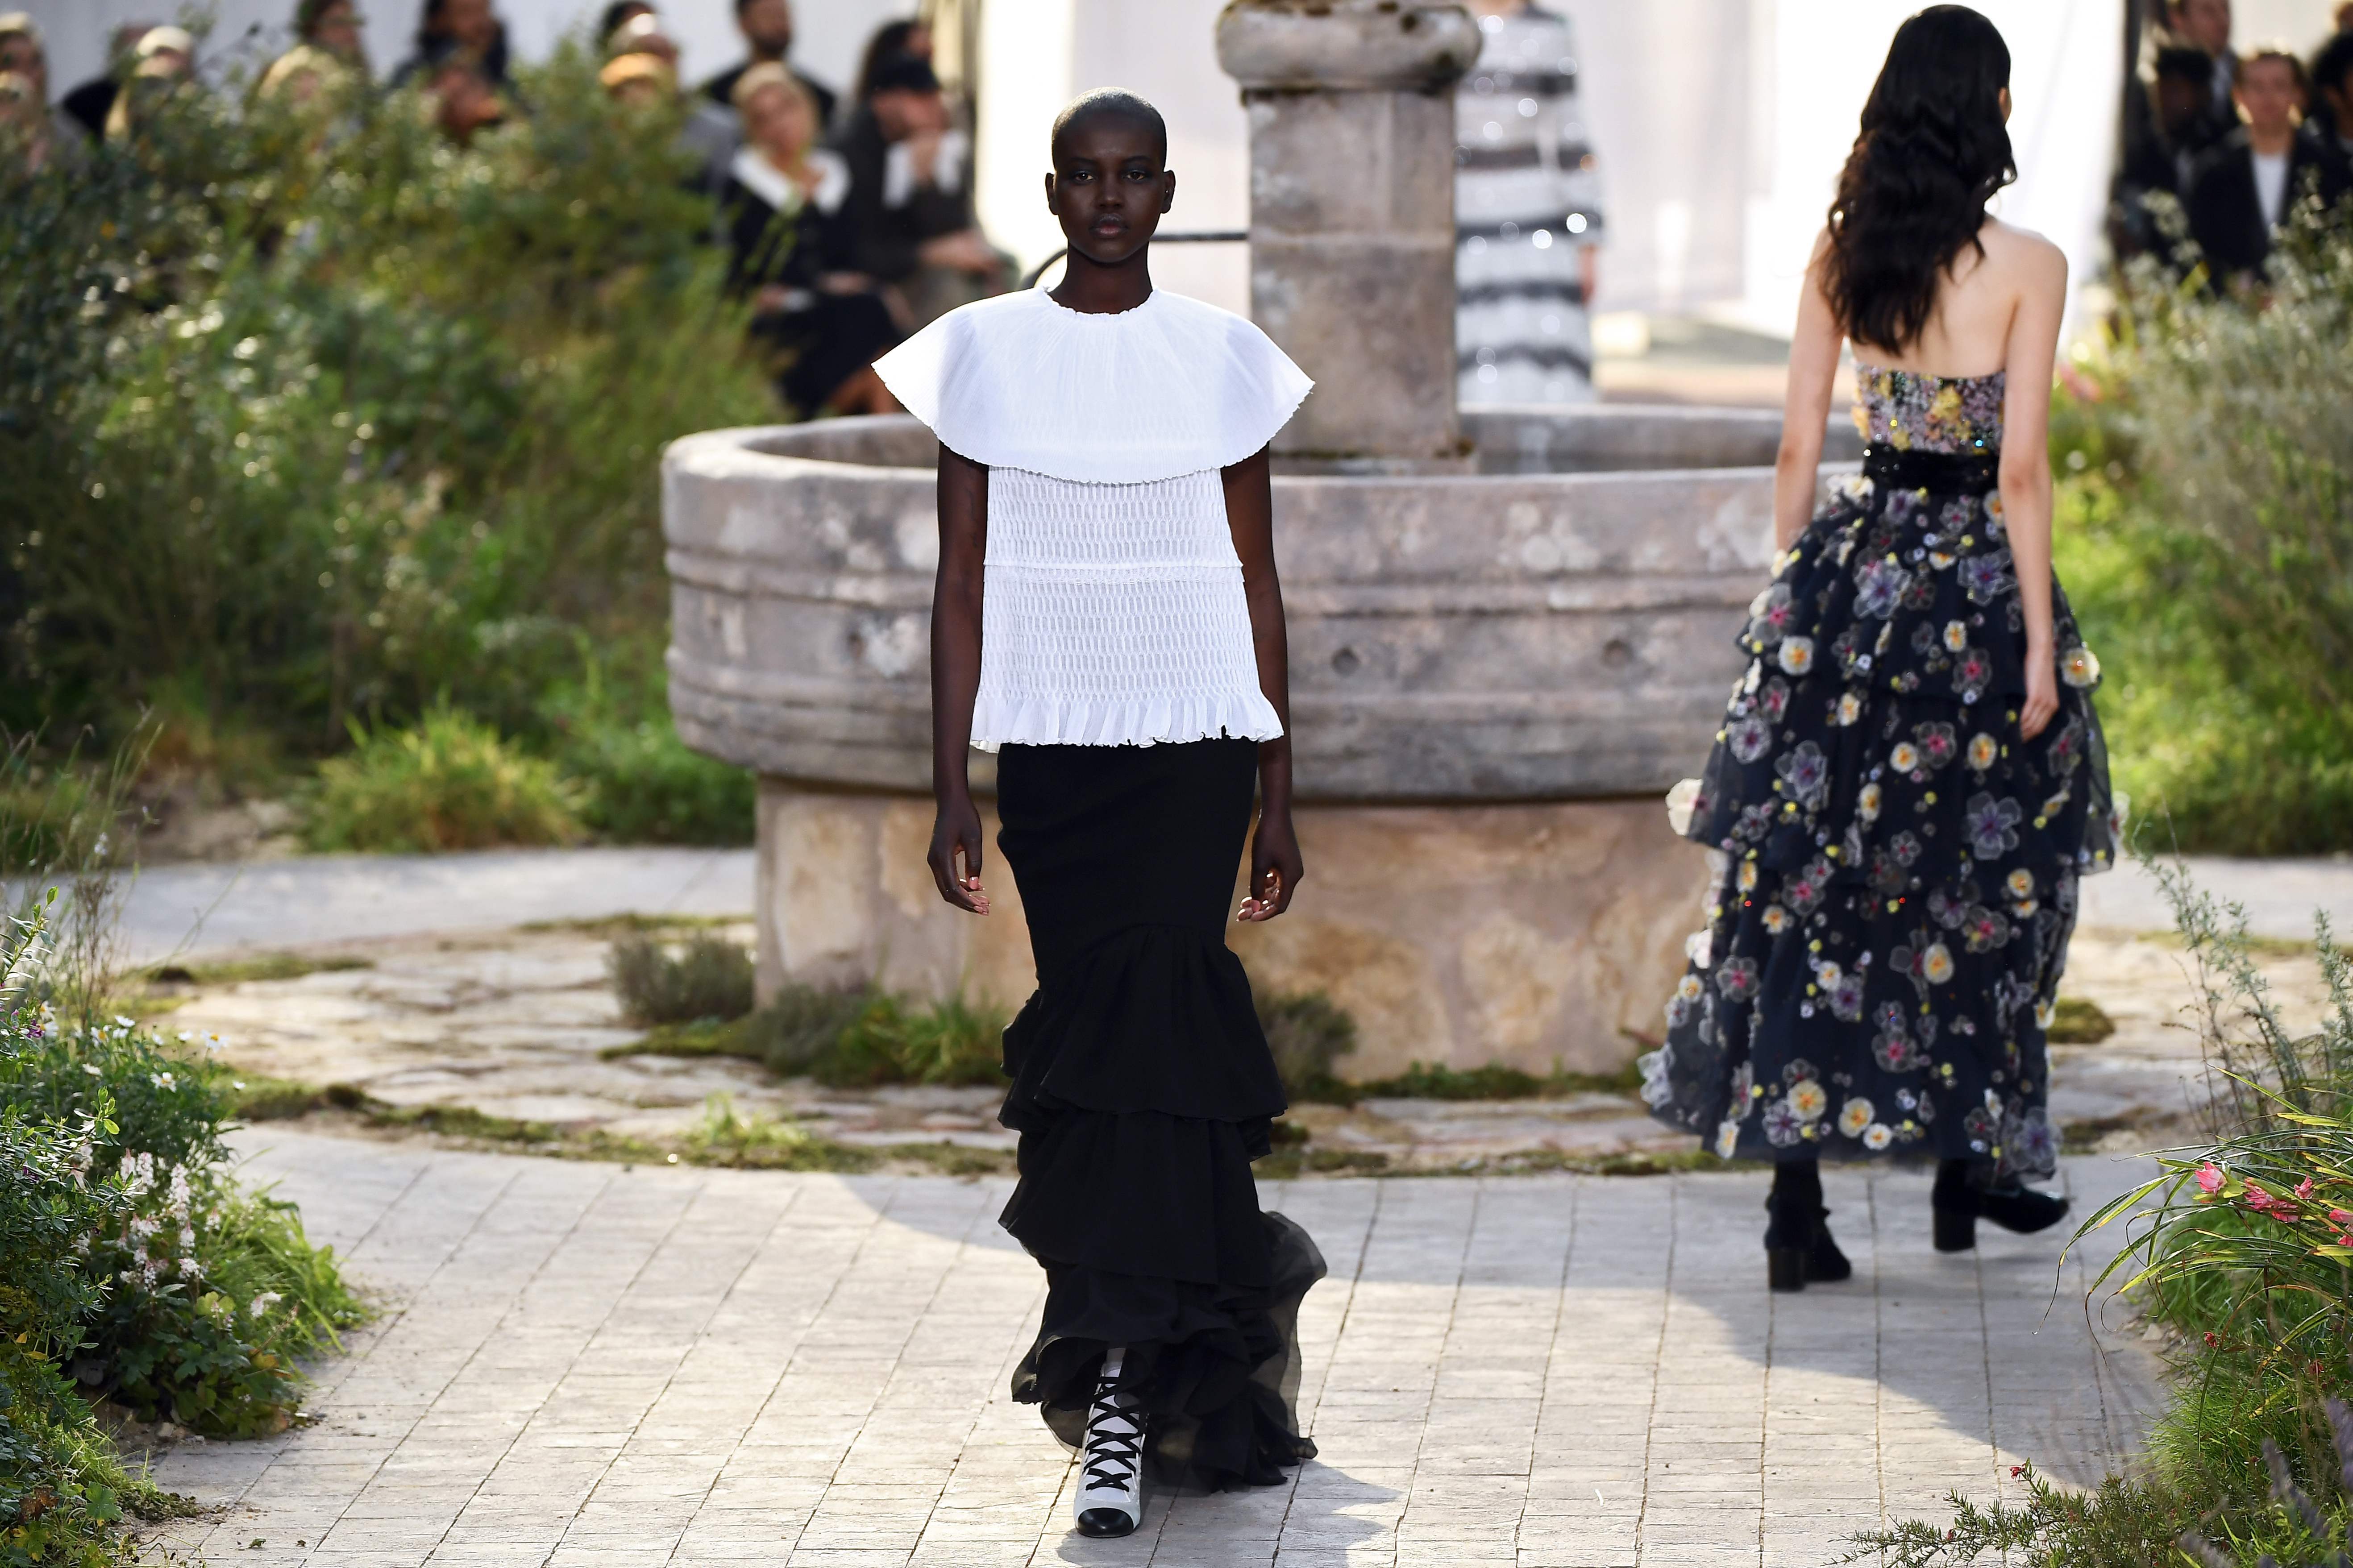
column 2028, row 358
column 1275, row 866
column 1806, row 408
column 955, row 677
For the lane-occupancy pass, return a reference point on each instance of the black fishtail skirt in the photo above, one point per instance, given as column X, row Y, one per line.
column 1143, row 1088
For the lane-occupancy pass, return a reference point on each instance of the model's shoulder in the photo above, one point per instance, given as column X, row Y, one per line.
column 2021, row 252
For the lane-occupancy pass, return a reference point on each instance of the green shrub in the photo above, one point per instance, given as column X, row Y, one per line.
column 896, row 1040
column 611, row 734
column 450, row 782
column 2206, row 539
column 709, row 978
column 1308, row 1034
column 2241, row 1247
column 297, row 427
column 800, row 1026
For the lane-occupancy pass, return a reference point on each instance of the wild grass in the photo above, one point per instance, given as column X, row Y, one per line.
column 708, row 979
column 2242, row 1247
column 451, row 782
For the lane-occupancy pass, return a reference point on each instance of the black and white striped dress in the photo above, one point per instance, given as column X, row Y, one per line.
column 1526, row 201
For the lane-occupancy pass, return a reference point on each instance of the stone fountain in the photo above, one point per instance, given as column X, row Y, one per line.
column 1510, row 631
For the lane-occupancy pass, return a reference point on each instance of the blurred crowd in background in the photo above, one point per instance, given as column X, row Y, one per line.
column 847, row 216
column 2220, row 143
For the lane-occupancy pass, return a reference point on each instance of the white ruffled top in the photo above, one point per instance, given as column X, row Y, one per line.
column 1112, row 612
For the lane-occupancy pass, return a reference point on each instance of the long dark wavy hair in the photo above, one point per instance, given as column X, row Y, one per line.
column 1932, row 152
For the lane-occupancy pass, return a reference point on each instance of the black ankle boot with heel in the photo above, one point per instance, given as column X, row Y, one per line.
column 1957, row 1202
column 1799, row 1250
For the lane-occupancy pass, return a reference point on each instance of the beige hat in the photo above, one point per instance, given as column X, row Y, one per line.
column 19, row 25
column 156, row 40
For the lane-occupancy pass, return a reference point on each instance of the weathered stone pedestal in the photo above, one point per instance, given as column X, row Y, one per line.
column 1535, row 935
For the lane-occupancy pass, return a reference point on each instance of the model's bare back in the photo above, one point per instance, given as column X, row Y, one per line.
column 1981, row 302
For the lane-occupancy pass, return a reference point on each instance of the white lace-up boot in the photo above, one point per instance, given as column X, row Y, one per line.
column 1110, row 1466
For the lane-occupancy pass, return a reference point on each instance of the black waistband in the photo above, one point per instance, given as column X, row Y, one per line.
column 1932, row 470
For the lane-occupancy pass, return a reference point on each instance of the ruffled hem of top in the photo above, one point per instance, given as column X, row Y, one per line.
column 1173, row 387
column 1216, row 1365
column 1000, row 721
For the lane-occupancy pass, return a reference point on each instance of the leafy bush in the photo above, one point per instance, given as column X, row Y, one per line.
column 450, row 782
column 132, row 1265
column 2241, row 1247
column 896, row 1040
column 1308, row 1034
column 710, row 978
column 308, row 416
column 611, row 733
column 2207, row 539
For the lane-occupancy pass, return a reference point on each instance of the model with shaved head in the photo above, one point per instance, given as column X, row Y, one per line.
column 1109, row 622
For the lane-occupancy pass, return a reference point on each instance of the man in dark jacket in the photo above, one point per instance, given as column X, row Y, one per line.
column 2332, row 88
column 2164, row 157
column 767, row 28
column 2244, row 186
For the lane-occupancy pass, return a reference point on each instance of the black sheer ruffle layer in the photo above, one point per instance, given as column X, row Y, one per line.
column 1143, row 1088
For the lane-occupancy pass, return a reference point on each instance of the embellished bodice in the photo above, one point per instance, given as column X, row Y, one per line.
column 1900, row 411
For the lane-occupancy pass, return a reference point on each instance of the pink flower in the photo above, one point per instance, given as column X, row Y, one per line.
column 2257, row 1199
column 2303, row 1188
column 2209, row 1177
column 2340, row 1219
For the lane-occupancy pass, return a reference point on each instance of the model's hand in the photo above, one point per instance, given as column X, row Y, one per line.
column 1275, row 867
column 2041, row 694
column 956, row 833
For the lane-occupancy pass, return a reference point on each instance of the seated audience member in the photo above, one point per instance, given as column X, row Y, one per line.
column 2205, row 25
column 706, row 131
column 27, row 140
column 2246, row 182
column 890, row 40
column 24, row 54
column 640, row 79
column 302, row 76
column 616, row 15
column 911, row 197
column 464, row 30
column 333, row 26
column 2179, row 128
column 782, row 209
column 464, row 102
column 87, row 103
column 2332, row 91
column 767, row 29
column 166, row 56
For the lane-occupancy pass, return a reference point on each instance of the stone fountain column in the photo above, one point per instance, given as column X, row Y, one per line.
column 1352, row 218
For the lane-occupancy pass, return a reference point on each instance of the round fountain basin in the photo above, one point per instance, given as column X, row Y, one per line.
column 1558, row 625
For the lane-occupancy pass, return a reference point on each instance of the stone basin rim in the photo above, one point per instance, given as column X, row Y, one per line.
column 754, row 446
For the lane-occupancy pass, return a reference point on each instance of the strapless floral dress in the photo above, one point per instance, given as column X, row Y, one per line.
column 1896, row 870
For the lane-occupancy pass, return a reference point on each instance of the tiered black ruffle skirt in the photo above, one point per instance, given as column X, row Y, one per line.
column 1143, row 1088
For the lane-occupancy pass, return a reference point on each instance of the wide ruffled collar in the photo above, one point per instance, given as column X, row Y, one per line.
column 1171, row 387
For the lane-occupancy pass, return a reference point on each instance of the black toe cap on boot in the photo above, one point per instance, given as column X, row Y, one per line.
column 1106, row 1521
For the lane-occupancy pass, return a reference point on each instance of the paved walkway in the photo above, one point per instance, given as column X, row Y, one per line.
column 588, row 1365
column 209, row 909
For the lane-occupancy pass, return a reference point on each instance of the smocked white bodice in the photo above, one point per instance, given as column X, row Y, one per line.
column 1112, row 611
column 1114, row 614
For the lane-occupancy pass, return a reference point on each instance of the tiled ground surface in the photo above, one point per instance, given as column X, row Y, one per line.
column 584, row 1364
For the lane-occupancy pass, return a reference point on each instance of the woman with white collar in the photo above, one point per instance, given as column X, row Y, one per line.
column 783, row 207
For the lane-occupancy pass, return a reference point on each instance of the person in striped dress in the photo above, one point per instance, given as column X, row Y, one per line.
column 1527, row 213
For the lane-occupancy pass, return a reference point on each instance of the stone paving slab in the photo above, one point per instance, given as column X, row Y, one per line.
column 193, row 910
column 592, row 1365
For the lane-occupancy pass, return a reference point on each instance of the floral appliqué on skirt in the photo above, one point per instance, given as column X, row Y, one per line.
column 1896, row 870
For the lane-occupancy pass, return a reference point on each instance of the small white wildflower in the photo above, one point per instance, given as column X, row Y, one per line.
column 123, row 1023
column 263, row 1303
column 91, row 1071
